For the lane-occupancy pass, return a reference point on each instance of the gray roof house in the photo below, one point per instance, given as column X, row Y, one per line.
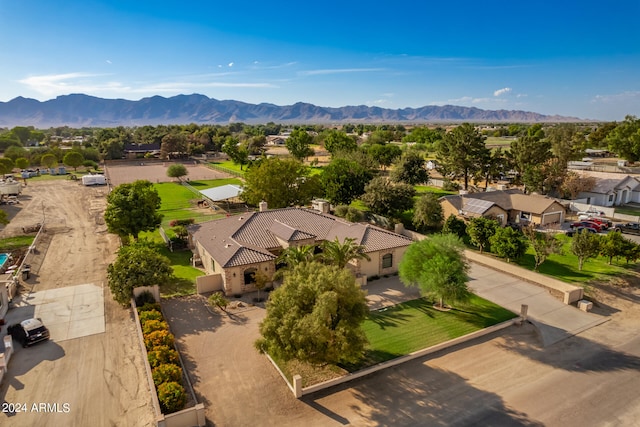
column 612, row 190
column 233, row 249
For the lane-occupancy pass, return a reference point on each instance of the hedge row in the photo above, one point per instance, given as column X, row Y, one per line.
column 163, row 358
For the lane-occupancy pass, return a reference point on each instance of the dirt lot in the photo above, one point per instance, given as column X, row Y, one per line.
column 155, row 171
column 100, row 376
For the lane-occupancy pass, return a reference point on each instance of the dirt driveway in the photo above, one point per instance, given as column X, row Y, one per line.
column 101, row 376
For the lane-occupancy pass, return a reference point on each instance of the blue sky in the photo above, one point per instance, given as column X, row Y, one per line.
column 573, row 58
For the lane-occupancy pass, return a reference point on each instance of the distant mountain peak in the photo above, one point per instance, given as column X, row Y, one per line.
column 77, row 110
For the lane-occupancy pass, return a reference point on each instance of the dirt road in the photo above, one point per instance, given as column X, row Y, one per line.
column 100, row 377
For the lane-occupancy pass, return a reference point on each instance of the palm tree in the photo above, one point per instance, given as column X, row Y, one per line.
column 339, row 254
column 292, row 256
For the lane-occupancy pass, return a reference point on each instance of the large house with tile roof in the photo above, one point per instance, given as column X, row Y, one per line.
column 611, row 189
column 233, row 249
column 507, row 206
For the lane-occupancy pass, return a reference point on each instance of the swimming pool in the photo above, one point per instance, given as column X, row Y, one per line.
column 3, row 260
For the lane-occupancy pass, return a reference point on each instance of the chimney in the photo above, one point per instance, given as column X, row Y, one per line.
column 263, row 206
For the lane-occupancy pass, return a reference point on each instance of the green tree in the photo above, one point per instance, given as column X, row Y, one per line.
column 385, row 154
column 280, row 183
column 427, row 212
column 460, row 153
column 15, row 152
column 455, row 225
column 344, row 180
column 133, row 208
column 217, row 299
column 410, row 169
column 315, row 317
column 173, row 145
column 612, row 245
column 22, row 163
column 480, row 230
column 335, row 141
column 73, row 159
column 49, row 160
column 6, row 165
column 177, row 170
column 340, row 254
column 299, row 143
column 438, row 267
column 625, row 139
column 384, row 197
column 237, row 152
column 508, row 243
column 585, row 245
column 543, row 245
column 137, row 265
column 528, row 154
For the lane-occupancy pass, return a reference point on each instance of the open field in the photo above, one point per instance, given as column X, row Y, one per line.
column 120, row 172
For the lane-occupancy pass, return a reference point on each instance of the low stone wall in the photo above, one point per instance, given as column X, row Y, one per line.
column 566, row 292
column 189, row 417
column 298, row 391
column 6, row 356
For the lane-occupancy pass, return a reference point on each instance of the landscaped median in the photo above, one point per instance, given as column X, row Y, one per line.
column 401, row 333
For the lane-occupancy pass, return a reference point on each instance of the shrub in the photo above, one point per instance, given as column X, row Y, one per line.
column 152, row 325
column 341, row 211
column 181, row 222
column 157, row 339
column 165, row 373
column 150, row 315
column 162, row 355
column 448, row 185
column 145, row 297
column 171, row 396
column 149, row 307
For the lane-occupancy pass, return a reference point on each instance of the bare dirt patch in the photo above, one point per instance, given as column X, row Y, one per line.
column 100, row 376
column 155, row 171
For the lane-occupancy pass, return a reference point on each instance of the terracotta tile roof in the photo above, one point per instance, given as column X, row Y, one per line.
column 247, row 238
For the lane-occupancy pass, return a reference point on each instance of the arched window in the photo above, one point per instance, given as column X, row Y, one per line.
column 387, row 261
column 250, row 276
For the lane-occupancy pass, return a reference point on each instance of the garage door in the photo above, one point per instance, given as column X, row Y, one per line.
column 551, row 218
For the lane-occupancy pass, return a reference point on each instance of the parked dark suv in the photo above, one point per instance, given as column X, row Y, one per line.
column 29, row 332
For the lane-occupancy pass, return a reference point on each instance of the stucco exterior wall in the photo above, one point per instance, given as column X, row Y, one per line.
column 374, row 266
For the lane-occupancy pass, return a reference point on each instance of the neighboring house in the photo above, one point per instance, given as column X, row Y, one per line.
column 612, row 190
column 276, row 140
column 508, row 207
column 233, row 249
column 132, row 151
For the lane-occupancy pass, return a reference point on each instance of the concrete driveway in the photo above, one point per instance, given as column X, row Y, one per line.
column 554, row 319
column 69, row 312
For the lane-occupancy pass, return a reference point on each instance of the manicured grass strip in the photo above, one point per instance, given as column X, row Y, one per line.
column 11, row 243
column 565, row 266
column 414, row 325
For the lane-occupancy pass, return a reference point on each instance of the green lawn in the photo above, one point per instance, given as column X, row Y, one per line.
column 437, row 191
column 565, row 266
column 179, row 202
column 12, row 243
column 414, row 325
column 628, row 210
column 229, row 166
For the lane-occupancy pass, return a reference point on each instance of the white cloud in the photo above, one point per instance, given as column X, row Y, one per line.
column 627, row 96
column 502, row 91
column 62, row 84
column 339, row 71
column 230, row 64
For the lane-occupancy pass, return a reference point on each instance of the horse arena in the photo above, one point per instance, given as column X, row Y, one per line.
column 121, row 172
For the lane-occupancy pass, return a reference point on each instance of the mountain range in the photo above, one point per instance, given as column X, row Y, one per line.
column 79, row 110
